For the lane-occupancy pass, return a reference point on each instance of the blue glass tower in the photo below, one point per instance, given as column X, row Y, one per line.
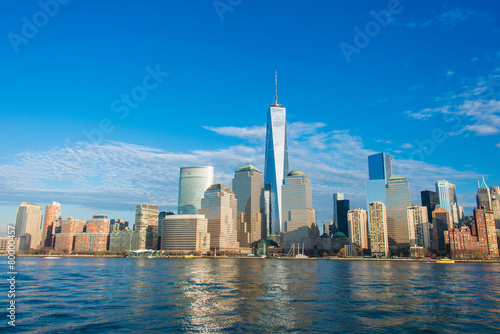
column 379, row 172
column 276, row 164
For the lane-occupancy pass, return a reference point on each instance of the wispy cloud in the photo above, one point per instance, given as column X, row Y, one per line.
column 115, row 176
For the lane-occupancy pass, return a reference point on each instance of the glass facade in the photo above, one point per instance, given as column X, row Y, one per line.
column 398, row 200
column 193, row 182
column 448, row 199
column 379, row 172
column 276, row 163
column 429, row 199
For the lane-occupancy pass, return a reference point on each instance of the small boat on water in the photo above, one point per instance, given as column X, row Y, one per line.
column 445, row 260
column 51, row 257
column 190, row 256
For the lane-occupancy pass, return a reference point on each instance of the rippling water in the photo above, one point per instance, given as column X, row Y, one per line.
column 98, row 295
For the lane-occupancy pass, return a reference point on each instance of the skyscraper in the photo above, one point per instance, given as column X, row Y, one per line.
column 442, row 223
column 299, row 217
column 52, row 213
column 483, row 197
column 379, row 241
column 448, row 199
column 276, row 163
column 343, row 207
column 336, row 197
column 418, row 229
column 28, row 226
column 495, row 205
column 379, row 172
column 398, row 200
column 185, row 233
column 430, row 199
column 219, row 206
column 247, row 187
column 193, row 182
column 358, row 227
column 146, row 226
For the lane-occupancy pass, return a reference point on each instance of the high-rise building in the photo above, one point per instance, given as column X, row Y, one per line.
column 52, row 213
column 398, row 200
column 276, row 163
column 343, row 207
column 336, row 197
column 448, row 199
column 442, row 223
column 495, row 205
column 430, row 199
column 484, row 226
column 96, row 237
column 299, row 217
column 358, row 227
column 418, row 229
column 65, row 241
column 483, row 197
column 379, row 242
column 379, row 172
column 219, row 206
column 193, row 182
column 247, row 187
column 146, row 226
column 28, row 228
column 185, row 233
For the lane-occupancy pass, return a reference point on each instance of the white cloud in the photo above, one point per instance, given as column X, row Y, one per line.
column 406, row 145
column 114, row 176
column 254, row 132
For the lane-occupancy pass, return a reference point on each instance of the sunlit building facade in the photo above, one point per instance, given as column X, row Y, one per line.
column 28, row 229
column 358, row 227
column 418, row 229
column 448, row 199
column 379, row 242
column 185, row 233
column 193, row 182
column 398, row 200
column 219, row 206
column 247, row 187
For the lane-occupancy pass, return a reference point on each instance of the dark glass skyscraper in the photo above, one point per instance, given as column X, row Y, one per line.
column 343, row 208
column 276, row 164
column 429, row 199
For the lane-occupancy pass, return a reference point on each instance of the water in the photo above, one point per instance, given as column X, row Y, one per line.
column 118, row 295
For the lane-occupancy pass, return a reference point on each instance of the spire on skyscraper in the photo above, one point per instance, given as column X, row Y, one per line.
column 275, row 87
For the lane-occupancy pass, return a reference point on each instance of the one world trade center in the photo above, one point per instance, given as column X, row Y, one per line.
column 276, row 164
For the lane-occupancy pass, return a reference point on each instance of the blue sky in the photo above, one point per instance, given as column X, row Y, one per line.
column 158, row 85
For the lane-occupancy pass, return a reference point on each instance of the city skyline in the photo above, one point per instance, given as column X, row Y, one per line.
column 66, row 139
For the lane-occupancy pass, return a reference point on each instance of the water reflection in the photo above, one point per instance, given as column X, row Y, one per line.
column 255, row 295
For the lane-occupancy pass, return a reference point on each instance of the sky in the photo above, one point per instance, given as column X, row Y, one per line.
column 102, row 103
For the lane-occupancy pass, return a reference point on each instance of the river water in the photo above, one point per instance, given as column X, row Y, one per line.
column 123, row 295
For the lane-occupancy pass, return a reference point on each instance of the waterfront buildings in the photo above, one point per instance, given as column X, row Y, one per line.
column 418, row 230
column 96, row 237
column 299, row 217
column 430, row 200
column 52, row 213
column 65, row 241
column 483, row 197
column 448, row 199
column 484, row 229
column 28, row 229
column 185, row 233
column 219, row 207
column 398, row 200
column 276, row 163
column 379, row 172
column 358, row 227
column 379, row 240
column 247, row 187
column 193, row 182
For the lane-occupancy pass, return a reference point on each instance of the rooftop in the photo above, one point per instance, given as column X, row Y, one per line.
column 248, row 166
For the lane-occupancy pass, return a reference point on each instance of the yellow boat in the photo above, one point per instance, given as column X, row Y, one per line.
column 445, row 260
column 190, row 256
